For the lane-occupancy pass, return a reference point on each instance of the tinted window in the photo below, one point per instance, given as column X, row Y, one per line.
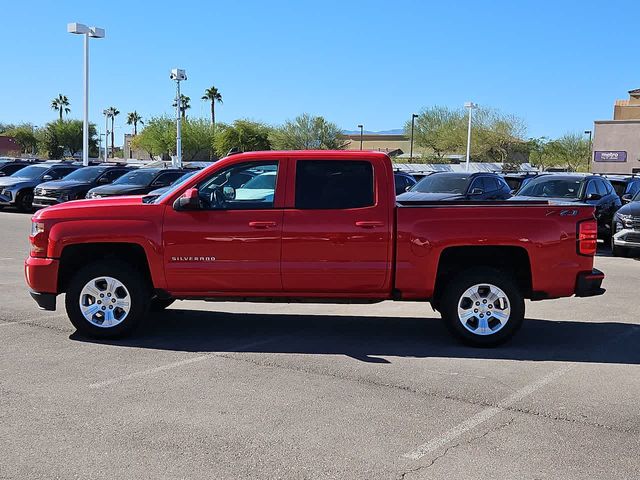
column 86, row 174
column 442, row 183
column 490, row 184
column 550, row 186
column 167, row 178
column 252, row 187
column 326, row 184
column 619, row 187
column 633, row 188
column 31, row 172
column 11, row 169
column 137, row 177
column 603, row 188
column 591, row 188
column 58, row 173
column 112, row 175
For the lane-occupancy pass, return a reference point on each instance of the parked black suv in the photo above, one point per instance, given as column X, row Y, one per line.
column 403, row 182
column 576, row 187
column 626, row 229
column 626, row 186
column 76, row 185
column 138, row 182
column 9, row 167
column 16, row 190
column 458, row 186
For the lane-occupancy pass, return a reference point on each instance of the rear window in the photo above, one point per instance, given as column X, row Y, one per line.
column 334, row 184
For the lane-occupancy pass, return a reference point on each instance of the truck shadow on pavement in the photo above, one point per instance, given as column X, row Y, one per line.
column 369, row 338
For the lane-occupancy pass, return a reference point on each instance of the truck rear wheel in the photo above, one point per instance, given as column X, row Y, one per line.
column 107, row 299
column 483, row 307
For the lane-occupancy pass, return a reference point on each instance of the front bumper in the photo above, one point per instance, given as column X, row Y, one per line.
column 41, row 275
column 588, row 284
column 627, row 237
column 46, row 201
column 45, row 301
column 6, row 200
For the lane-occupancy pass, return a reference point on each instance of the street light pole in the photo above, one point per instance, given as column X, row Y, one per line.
column 590, row 149
column 94, row 32
column 361, row 127
column 470, row 106
column 106, row 135
column 178, row 75
column 413, row 119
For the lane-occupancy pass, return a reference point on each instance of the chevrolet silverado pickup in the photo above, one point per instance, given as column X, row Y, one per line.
column 316, row 226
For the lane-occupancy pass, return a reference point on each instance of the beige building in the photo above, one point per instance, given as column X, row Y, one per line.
column 616, row 143
column 391, row 144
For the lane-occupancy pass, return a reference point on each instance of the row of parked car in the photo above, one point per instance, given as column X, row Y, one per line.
column 617, row 224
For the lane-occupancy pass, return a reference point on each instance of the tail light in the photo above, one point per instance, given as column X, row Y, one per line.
column 588, row 238
column 38, row 240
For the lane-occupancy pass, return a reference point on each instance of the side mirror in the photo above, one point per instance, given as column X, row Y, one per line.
column 594, row 196
column 189, row 200
column 407, row 188
column 627, row 197
column 512, row 192
column 47, row 178
column 229, row 193
column 476, row 191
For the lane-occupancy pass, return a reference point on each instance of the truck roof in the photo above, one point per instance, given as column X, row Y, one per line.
column 324, row 154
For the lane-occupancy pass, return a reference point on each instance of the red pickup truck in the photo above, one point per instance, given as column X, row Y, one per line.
column 317, row 226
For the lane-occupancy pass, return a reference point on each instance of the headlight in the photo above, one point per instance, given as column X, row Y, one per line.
column 6, row 193
column 623, row 221
column 36, row 228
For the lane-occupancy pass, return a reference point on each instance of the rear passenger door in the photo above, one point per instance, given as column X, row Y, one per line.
column 336, row 237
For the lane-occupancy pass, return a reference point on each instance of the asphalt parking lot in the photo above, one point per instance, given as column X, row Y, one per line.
column 314, row 391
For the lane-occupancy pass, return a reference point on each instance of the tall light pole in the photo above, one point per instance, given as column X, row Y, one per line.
column 590, row 149
column 178, row 75
column 361, row 127
column 470, row 106
column 413, row 119
column 106, row 134
column 88, row 32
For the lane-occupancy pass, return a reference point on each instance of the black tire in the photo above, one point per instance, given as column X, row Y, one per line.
column 24, row 201
column 139, row 294
column 159, row 304
column 454, row 294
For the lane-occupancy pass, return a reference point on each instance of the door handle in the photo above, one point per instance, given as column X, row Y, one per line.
column 369, row 224
column 262, row 224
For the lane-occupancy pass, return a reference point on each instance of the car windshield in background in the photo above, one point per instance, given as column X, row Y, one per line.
column 442, row 183
column 31, row 172
column 264, row 181
column 551, row 187
column 177, row 184
column 86, row 174
column 138, row 177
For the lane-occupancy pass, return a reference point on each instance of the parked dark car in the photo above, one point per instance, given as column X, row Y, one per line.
column 138, row 182
column 76, row 185
column 9, row 167
column 458, row 186
column 626, row 186
column 163, row 190
column 579, row 188
column 403, row 182
column 625, row 238
column 16, row 190
column 517, row 180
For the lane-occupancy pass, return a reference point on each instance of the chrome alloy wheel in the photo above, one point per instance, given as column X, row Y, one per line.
column 105, row 302
column 484, row 309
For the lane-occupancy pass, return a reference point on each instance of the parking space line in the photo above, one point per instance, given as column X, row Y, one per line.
column 486, row 414
column 180, row 363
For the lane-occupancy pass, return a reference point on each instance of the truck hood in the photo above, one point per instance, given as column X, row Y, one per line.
column 428, row 197
column 93, row 209
column 632, row 208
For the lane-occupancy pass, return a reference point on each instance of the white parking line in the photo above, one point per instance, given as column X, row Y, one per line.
column 180, row 363
column 485, row 414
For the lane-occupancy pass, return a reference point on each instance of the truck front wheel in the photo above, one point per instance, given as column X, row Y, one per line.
column 483, row 307
column 107, row 299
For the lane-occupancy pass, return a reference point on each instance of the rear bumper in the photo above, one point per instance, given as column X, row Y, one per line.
column 588, row 284
column 45, row 301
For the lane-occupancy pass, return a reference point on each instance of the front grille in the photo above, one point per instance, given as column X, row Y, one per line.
column 634, row 222
column 633, row 237
column 43, row 192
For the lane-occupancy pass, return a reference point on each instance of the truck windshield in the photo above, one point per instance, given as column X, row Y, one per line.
column 563, row 187
column 31, row 172
column 442, row 183
column 86, row 174
column 138, row 177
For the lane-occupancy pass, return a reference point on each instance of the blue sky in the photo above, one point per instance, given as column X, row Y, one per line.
column 557, row 64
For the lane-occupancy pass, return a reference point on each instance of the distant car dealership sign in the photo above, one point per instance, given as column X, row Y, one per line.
column 610, row 156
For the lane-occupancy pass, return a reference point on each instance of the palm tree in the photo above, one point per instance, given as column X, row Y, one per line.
column 61, row 104
column 112, row 112
column 213, row 95
column 185, row 104
column 134, row 118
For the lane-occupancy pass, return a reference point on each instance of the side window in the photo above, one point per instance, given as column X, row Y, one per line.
column 601, row 187
column 634, row 187
column 112, row 175
column 490, row 184
column 11, row 169
column 334, row 184
column 166, row 178
column 477, row 183
column 591, row 188
column 245, row 186
column 57, row 173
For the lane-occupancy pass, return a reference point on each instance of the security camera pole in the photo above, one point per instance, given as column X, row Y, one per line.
column 178, row 75
column 88, row 32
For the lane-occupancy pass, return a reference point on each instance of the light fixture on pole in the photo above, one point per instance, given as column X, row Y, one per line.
column 361, row 127
column 413, row 119
column 178, row 75
column 88, row 32
column 470, row 106
column 107, row 114
column 590, row 148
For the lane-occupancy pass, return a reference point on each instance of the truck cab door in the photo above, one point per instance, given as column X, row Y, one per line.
column 232, row 242
column 336, row 235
